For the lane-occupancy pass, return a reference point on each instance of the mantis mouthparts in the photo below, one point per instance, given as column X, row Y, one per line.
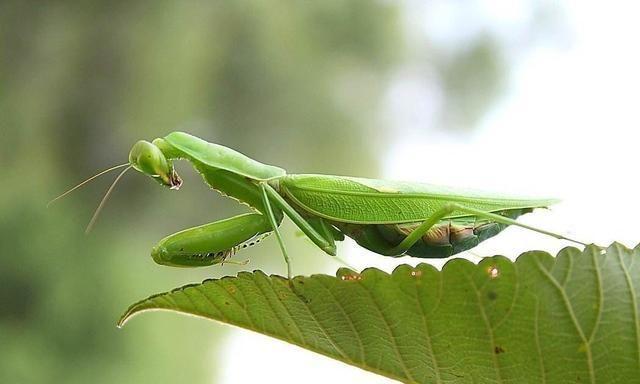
column 175, row 180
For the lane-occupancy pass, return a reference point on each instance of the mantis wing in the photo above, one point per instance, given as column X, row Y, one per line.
column 371, row 201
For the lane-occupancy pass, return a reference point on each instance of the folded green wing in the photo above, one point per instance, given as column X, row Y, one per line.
column 371, row 201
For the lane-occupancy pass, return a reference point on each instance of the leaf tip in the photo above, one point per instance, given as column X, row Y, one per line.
column 125, row 317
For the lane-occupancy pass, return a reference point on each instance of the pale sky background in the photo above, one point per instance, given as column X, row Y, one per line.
column 566, row 127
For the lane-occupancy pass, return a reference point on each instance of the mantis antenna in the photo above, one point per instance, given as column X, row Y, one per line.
column 104, row 199
column 85, row 182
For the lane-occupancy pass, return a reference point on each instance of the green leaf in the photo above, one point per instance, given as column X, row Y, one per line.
column 568, row 319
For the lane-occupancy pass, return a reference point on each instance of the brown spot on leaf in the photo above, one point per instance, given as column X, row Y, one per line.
column 493, row 272
column 354, row 277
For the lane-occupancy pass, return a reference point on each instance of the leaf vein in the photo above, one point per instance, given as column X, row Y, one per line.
column 392, row 336
column 488, row 327
column 536, row 331
column 349, row 320
column 434, row 361
column 634, row 303
column 574, row 319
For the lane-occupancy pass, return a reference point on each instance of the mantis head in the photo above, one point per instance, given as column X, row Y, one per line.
column 147, row 158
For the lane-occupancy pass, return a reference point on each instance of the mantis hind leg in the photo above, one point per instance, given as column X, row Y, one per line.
column 438, row 237
column 423, row 228
column 211, row 243
column 449, row 236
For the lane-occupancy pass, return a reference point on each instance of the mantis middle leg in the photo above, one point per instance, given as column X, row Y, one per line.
column 323, row 237
column 318, row 230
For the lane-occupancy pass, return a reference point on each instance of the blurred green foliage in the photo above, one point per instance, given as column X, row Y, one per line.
column 296, row 84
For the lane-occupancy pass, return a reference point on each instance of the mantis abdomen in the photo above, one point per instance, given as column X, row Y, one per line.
column 447, row 238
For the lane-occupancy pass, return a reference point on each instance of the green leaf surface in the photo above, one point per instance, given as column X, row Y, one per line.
column 540, row 319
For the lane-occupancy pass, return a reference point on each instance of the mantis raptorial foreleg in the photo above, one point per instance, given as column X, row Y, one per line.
column 211, row 243
column 423, row 228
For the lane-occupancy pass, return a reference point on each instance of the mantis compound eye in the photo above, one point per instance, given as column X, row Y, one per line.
column 149, row 159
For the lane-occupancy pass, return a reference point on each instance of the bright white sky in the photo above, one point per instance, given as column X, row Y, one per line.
column 567, row 127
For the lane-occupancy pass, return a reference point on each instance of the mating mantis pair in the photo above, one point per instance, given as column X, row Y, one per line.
column 389, row 218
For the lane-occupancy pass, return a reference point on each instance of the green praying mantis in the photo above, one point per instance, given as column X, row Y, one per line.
column 388, row 218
